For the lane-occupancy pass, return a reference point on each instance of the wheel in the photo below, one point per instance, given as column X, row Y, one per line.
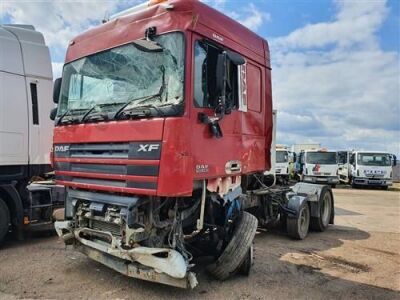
column 333, row 186
column 297, row 228
column 234, row 254
column 248, row 262
column 385, row 188
column 325, row 205
column 4, row 219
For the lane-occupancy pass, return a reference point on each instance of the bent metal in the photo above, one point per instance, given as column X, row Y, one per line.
column 169, row 131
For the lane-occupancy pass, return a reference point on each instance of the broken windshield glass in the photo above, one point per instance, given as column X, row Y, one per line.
column 124, row 73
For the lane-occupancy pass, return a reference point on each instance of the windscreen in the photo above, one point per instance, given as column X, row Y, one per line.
column 323, row 158
column 374, row 159
column 124, row 74
column 281, row 156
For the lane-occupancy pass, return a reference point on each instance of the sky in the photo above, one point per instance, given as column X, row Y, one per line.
column 335, row 63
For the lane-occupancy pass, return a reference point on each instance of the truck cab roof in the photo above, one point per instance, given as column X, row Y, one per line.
column 27, row 53
column 181, row 15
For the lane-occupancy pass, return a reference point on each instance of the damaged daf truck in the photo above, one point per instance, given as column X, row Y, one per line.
column 162, row 136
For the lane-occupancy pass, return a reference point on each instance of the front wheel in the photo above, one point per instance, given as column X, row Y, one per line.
column 234, row 254
column 4, row 220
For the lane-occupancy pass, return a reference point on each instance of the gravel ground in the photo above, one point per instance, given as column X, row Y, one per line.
column 358, row 258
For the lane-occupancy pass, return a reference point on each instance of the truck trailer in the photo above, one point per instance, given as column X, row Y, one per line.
column 162, row 136
column 366, row 168
column 26, row 82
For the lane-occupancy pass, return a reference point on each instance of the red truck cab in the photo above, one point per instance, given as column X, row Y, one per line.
column 162, row 150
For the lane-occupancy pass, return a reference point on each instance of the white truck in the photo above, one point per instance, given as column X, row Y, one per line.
column 318, row 166
column 25, row 128
column 366, row 168
column 282, row 167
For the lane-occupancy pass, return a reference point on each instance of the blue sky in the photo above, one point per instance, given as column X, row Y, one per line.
column 336, row 63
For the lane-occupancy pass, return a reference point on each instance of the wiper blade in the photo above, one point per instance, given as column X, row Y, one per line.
column 143, row 99
column 90, row 110
column 67, row 112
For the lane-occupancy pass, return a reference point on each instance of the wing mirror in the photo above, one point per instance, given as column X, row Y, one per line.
column 56, row 90
column 53, row 114
column 394, row 160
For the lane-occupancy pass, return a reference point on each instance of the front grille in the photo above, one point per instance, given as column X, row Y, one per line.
column 123, row 167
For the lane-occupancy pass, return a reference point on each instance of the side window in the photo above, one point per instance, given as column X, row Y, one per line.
column 254, row 88
column 205, row 95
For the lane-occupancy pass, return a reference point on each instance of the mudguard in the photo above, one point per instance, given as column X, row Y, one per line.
column 313, row 194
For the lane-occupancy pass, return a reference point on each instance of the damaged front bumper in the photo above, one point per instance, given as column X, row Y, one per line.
column 161, row 265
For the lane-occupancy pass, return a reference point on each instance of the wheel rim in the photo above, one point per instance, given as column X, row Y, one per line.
column 326, row 209
column 304, row 220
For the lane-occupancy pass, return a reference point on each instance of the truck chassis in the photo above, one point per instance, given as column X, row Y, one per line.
column 159, row 247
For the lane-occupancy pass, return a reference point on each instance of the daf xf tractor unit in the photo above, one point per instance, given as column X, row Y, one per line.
column 162, row 136
column 25, row 130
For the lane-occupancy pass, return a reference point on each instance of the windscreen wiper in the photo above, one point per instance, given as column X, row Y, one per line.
column 90, row 110
column 143, row 99
column 67, row 112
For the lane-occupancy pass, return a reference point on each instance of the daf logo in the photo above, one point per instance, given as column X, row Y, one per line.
column 61, row 148
column 148, row 147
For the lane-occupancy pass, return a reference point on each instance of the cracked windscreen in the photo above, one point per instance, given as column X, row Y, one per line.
column 124, row 74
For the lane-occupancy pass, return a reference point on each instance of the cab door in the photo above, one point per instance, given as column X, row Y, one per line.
column 213, row 155
column 343, row 162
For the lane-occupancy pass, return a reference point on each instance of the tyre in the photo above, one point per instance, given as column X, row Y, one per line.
column 248, row 262
column 385, row 188
column 4, row 219
column 333, row 186
column 325, row 212
column 234, row 254
column 297, row 228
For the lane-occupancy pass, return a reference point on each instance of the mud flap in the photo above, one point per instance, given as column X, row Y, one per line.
column 314, row 194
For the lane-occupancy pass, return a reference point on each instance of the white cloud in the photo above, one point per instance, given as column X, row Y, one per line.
column 336, row 74
column 356, row 23
column 254, row 17
column 247, row 14
column 57, row 69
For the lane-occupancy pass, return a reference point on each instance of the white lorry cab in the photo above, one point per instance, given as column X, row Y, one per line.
column 26, row 85
column 282, row 165
column 366, row 168
column 318, row 166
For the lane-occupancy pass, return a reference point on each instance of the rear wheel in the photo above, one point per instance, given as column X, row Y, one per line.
column 297, row 227
column 385, row 188
column 4, row 219
column 234, row 255
column 325, row 212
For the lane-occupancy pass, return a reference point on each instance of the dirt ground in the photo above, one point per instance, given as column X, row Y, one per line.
column 358, row 258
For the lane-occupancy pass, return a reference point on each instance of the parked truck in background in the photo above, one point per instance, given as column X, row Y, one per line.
column 163, row 134
column 25, row 129
column 366, row 168
column 318, row 166
column 284, row 160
